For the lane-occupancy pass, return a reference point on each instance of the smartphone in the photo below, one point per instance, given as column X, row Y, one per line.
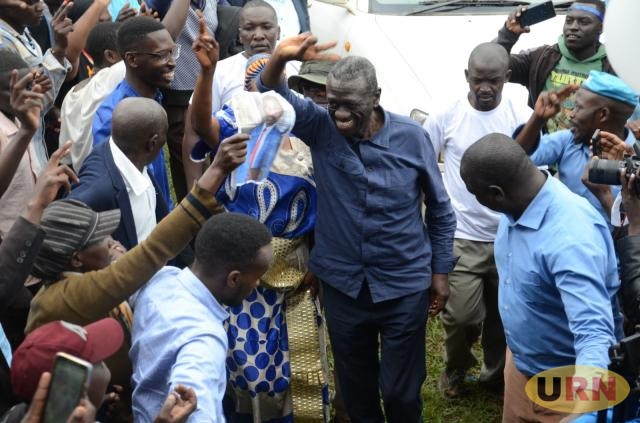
column 537, row 13
column 595, row 143
column 69, row 382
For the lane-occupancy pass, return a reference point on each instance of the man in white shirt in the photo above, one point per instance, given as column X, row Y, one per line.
column 115, row 174
column 82, row 101
column 472, row 307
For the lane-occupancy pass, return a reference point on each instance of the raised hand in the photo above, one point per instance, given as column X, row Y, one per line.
column 634, row 127
column 613, row 148
column 147, row 11
column 53, row 177
column 178, row 406
column 550, row 102
column 513, row 21
column 26, row 99
column 305, row 47
column 125, row 13
column 205, row 47
column 62, row 26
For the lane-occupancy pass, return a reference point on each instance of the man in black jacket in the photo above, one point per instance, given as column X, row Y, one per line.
column 569, row 61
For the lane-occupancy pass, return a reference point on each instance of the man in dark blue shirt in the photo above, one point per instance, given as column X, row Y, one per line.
column 376, row 257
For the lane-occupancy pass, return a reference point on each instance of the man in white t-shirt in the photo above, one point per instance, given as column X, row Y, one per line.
column 472, row 307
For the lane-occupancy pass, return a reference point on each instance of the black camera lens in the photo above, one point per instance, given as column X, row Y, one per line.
column 605, row 171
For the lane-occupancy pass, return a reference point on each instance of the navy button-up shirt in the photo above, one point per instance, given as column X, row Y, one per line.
column 369, row 224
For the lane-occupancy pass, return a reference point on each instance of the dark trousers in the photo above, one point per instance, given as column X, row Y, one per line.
column 355, row 326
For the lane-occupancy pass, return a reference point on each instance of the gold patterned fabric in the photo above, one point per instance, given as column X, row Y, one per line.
column 287, row 268
column 308, row 372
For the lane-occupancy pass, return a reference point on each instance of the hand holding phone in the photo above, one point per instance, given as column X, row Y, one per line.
column 537, row 13
column 69, row 383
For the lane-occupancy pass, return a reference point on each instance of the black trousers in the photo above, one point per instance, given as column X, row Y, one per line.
column 357, row 328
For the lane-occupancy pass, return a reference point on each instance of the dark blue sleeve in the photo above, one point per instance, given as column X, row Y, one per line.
column 101, row 126
column 312, row 121
column 95, row 187
column 439, row 217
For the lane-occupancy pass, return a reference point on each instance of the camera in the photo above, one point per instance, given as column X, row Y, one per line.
column 608, row 171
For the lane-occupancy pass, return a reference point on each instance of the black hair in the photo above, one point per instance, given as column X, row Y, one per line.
column 597, row 3
column 353, row 67
column 135, row 30
column 230, row 241
column 10, row 60
column 489, row 52
column 259, row 3
column 496, row 159
column 103, row 36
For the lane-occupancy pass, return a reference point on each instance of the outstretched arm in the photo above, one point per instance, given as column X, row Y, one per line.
column 547, row 105
column 207, row 52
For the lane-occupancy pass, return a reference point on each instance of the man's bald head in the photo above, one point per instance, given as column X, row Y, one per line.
column 495, row 160
column 489, row 53
column 135, row 122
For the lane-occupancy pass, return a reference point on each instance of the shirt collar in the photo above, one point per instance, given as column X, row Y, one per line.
column 381, row 138
column 129, row 91
column 535, row 211
column 201, row 293
column 138, row 181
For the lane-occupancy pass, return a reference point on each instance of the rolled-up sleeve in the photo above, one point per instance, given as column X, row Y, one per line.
column 440, row 218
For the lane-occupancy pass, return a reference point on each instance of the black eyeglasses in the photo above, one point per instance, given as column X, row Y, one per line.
column 163, row 56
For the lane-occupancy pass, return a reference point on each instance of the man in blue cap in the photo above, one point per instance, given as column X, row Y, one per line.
column 603, row 102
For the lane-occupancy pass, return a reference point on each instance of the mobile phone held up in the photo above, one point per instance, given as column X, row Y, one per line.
column 537, row 13
column 69, row 382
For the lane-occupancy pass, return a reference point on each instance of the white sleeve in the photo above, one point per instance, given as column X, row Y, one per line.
column 435, row 128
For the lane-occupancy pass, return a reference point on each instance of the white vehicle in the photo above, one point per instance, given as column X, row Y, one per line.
column 420, row 48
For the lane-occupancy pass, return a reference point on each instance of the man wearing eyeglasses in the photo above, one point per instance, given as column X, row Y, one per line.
column 149, row 54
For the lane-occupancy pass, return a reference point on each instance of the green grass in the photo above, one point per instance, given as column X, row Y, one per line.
column 476, row 405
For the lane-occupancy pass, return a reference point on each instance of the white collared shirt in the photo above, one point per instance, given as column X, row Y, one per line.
column 142, row 194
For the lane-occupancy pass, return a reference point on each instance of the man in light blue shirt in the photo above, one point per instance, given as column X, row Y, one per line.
column 178, row 336
column 557, row 269
column 603, row 102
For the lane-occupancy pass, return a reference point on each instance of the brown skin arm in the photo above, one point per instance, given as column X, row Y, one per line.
column 207, row 52
column 27, row 104
column 176, row 17
column 303, row 47
column 81, row 29
column 192, row 170
column 439, row 293
column 547, row 106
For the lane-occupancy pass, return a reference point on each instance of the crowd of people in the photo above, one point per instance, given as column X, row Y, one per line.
column 128, row 243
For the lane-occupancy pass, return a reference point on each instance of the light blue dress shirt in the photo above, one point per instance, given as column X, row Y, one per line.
column 560, row 147
column 558, row 283
column 5, row 346
column 178, row 338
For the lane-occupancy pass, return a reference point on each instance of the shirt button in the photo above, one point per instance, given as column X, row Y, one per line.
column 20, row 260
column 508, row 280
column 369, row 169
column 28, row 243
column 22, row 254
column 509, row 255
